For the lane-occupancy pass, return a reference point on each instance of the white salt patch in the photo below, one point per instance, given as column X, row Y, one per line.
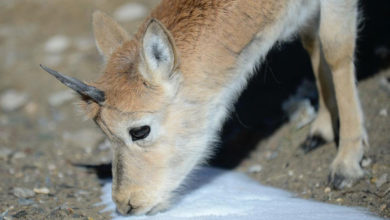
column 57, row 44
column 12, row 100
column 59, row 98
column 219, row 194
column 130, row 12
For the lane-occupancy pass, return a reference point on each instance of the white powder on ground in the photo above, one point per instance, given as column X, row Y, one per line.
column 220, row 194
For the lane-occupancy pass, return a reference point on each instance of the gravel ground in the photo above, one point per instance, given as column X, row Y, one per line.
column 44, row 140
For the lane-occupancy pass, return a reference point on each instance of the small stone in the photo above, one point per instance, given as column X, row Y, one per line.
column 383, row 112
column 317, row 185
column 339, row 200
column 51, row 167
column 57, row 44
column 43, row 190
column 23, row 192
column 383, row 207
column 382, row 180
column 82, row 192
column 20, row 214
column 291, row 173
column 31, row 108
column 366, row 162
column 18, row 155
column 23, row 202
column 130, row 12
column 269, row 155
column 5, row 153
column 12, row 100
column 255, row 168
column 59, row 98
column 327, row 189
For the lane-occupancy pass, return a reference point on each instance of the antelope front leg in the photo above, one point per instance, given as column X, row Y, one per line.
column 323, row 129
column 337, row 35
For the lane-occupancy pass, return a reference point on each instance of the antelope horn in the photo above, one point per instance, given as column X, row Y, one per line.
column 78, row 86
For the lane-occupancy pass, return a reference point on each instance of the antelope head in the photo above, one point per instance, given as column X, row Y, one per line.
column 136, row 103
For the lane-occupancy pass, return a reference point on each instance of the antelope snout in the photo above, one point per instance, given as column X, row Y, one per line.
column 124, row 204
column 133, row 202
column 124, row 207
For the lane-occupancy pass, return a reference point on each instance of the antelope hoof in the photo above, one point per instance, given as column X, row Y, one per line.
column 312, row 142
column 343, row 175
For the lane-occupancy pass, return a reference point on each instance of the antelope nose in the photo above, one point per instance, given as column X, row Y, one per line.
column 125, row 209
column 130, row 208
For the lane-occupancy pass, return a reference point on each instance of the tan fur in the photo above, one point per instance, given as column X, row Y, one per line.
column 183, row 70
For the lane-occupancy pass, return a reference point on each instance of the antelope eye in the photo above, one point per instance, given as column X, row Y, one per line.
column 139, row 133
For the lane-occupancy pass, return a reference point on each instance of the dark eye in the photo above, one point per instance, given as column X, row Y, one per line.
column 139, row 133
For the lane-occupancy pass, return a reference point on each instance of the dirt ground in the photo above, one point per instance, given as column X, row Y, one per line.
column 43, row 137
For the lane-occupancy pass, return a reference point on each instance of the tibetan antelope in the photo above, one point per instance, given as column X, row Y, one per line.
column 166, row 91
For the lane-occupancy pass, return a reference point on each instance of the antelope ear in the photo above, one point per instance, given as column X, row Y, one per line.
column 158, row 52
column 109, row 35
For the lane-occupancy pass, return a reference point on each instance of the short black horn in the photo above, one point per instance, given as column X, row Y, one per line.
column 78, row 86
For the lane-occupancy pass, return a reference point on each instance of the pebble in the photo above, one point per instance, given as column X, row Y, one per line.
column 5, row 153
column 31, row 108
column 327, row 189
column 23, row 192
column 383, row 207
column 18, row 155
column 269, row 155
column 12, row 100
column 52, row 167
column 20, row 214
column 381, row 180
column 366, row 162
column 383, row 112
column 290, row 173
column 59, row 98
column 57, row 44
column 339, row 200
column 130, row 12
column 23, row 201
column 43, row 190
column 255, row 168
